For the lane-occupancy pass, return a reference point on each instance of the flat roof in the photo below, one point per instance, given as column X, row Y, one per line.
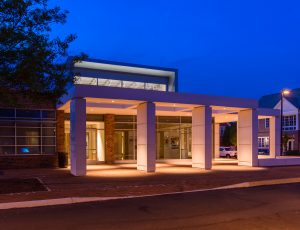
column 126, row 67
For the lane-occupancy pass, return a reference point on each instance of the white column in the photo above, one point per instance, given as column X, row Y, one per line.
column 78, row 136
column 247, row 137
column 217, row 140
column 202, row 137
column 274, row 136
column 146, row 141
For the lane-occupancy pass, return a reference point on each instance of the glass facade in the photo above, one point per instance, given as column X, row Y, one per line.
column 125, row 138
column 94, row 140
column 173, row 137
column 24, row 131
column 120, row 83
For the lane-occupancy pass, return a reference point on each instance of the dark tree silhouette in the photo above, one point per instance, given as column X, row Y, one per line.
column 31, row 63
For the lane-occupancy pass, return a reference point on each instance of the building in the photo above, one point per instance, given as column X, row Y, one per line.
column 27, row 134
column 119, row 112
column 291, row 119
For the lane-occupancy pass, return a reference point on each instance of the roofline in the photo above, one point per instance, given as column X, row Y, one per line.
column 272, row 94
column 83, row 91
column 102, row 61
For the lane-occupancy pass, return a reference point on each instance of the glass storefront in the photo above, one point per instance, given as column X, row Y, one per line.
column 94, row 140
column 173, row 137
column 125, row 137
column 27, row 131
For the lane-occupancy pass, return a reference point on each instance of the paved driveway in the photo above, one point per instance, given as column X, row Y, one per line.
column 272, row 207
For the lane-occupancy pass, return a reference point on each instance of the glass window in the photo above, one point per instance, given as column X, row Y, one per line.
column 186, row 119
column 48, row 149
column 125, row 144
column 28, row 124
column 7, row 113
column 85, row 80
column 263, row 142
column 267, row 123
column 28, row 131
column 49, row 124
column 28, row 140
column 7, row 123
column 29, row 150
column 23, row 113
column 133, row 85
column 7, row 140
column 125, row 126
column 48, row 114
column 168, row 119
column 7, row 150
column 156, row 87
column 7, row 131
column 289, row 122
column 174, row 138
column 125, row 118
column 48, row 131
column 48, row 140
column 109, row 82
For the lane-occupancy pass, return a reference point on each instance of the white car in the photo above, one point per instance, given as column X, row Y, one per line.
column 228, row 152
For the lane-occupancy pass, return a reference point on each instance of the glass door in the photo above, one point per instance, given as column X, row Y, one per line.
column 91, row 144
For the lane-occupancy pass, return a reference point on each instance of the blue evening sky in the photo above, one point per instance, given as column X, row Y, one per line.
column 220, row 47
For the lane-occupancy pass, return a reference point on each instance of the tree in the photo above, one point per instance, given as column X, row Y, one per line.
column 230, row 135
column 31, row 63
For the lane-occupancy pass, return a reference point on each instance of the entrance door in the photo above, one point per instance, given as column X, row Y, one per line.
column 95, row 141
column 91, row 144
column 290, row 145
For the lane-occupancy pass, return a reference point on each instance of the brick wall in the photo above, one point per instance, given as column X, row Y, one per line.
column 109, row 122
column 30, row 161
column 60, row 131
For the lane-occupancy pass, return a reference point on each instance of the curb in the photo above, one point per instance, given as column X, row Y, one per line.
column 76, row 200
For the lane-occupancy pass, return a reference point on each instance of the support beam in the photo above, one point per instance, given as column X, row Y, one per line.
column 202, row 137
column 274, row 136
column 146, row 141
column 78, row 136
column 247, row 137
column 216, row 140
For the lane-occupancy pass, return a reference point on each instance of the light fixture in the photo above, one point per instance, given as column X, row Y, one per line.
column 285, row 91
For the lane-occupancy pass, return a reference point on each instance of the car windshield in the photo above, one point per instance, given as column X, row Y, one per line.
column 227, row 149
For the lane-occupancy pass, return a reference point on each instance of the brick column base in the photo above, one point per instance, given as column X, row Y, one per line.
column 60, row 131
column 109, row 125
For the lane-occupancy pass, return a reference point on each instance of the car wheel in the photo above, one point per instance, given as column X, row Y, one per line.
column 227, row 156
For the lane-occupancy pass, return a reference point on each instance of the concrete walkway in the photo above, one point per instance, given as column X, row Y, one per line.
column 124, row 180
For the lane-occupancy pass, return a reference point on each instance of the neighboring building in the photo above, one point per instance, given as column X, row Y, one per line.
column 119, row 112
column 291, row 119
